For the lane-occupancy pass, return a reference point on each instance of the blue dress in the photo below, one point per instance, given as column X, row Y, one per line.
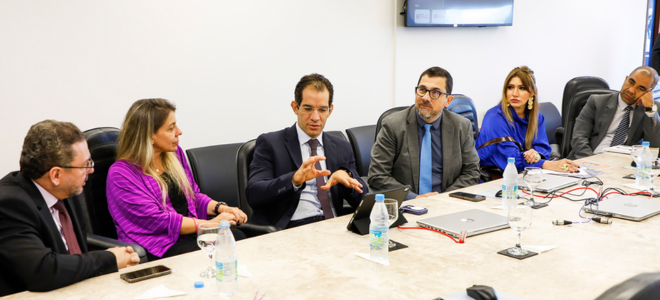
column 496, row 125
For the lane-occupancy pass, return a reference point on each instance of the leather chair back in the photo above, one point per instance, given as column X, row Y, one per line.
column 644, row 286
column 385, row 114
column 576, row 85
column 244, row 159
column 552, row 120
column 337, row 134
column 362, row 140
column 214, row 170
column 576, row 105
column 102, row 143
column 464, row 106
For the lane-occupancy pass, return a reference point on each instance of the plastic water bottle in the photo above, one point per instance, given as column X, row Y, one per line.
column 226, row 264
column 644, row 159
column 510, row 183
column 379, row 230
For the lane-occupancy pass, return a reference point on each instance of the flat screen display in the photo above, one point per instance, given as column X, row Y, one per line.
column 459, row 13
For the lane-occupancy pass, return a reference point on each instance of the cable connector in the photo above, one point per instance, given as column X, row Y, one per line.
column 561, row 222
column 602, row 220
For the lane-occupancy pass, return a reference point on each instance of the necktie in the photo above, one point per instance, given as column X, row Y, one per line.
column 426, row 163
column 622, row 130
column 67, row 229
column 321, row 194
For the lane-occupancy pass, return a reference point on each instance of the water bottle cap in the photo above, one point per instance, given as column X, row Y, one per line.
column 646, row 143
column 380, row 197
column 511, row 160
column 224, row 224
column 199, row 284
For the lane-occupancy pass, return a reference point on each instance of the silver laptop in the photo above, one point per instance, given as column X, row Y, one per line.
column 552, row 183
column 626, row 207
column 474, row 221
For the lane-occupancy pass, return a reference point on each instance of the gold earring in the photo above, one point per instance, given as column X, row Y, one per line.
column 530, row 103
column 508, row 104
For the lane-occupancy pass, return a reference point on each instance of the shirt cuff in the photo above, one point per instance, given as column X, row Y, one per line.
column 650, row 114
column 296, row 187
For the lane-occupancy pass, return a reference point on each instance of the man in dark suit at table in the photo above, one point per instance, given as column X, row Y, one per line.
column 425, row 146
column 622, row 118
column 301, row 175
column 42, row 244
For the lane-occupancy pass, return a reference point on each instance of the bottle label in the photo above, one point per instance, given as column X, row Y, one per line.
column 226, row 272
column 510, row 193
column 375, row 238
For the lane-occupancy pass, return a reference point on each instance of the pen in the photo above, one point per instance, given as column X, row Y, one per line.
column 262, row 296
column 256, row 294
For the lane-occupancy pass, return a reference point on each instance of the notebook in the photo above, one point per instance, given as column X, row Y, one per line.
column 626, row 207
column 551, row 183
column 474, row 221
column 360, row 221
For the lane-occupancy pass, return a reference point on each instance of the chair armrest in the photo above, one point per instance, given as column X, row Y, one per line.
column 98, row 242
column 252, row 230
column 485, row 176
column 555, row 154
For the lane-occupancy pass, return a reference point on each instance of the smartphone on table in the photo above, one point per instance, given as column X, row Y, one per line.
column 467, row 196
column 143, row 274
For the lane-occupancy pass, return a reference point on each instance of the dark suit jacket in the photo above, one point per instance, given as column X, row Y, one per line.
column 277, row 156
column 595, row 118
column 32, row 253
column 395, row 155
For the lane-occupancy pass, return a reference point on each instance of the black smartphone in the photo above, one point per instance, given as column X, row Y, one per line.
column 147, row 273
column 629, row 176
column 467, row 196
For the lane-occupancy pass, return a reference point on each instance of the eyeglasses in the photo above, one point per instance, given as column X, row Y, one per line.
column 323, row 110
column 90, row 165
column 434, row 94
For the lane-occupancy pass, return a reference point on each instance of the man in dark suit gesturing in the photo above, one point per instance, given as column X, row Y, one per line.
column 42, row 244
column 300, row 175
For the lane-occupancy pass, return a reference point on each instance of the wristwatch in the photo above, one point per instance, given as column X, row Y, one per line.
column 217, row 206
column 652, row 109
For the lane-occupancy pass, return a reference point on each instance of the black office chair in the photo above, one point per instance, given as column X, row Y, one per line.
column 337, row 134
column 572, row 87
column 552, row 122
column 92, row 203
column 577, row 103
column 362, row 140
column 464, row 106
column 644, row 286
column 385, row 114
column 214, row 170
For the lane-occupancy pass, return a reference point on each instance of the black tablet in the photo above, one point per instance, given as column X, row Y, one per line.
column 359, row 223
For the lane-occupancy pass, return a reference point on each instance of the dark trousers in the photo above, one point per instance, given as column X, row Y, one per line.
column 189, row 244
column 304, row 221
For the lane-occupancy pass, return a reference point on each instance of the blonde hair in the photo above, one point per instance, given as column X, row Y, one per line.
column 134, row 145
column 526, row 75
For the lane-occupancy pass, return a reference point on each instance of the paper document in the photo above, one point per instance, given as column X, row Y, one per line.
column 619, row 149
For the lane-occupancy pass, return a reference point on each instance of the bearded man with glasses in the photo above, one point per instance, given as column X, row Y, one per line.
column 300, row 175
column 42, row 244
column 425, row 146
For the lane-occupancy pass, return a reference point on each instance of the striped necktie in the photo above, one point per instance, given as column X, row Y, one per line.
column 622, row 131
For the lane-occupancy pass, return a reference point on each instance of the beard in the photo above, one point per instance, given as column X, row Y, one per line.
column 426, row 113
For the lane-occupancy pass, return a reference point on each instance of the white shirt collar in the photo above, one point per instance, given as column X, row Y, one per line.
column 623, row 105
column 50, row 199
column 303, row 138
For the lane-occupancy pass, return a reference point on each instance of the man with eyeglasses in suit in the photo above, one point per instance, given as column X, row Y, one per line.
column 42, row 244
column 425, row 145
column 300, row 175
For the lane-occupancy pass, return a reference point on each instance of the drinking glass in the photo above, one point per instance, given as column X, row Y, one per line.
column 520, row 218
column 207, row 233
column 653, row 173
column 533, row 176
column 392, row 207
column 635, row 150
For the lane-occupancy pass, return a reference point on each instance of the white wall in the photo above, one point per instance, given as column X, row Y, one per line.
column 231, row 66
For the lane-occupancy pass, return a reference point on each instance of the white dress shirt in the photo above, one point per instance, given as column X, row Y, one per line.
column 309, row 205
column 51, row 201
column 618, row 116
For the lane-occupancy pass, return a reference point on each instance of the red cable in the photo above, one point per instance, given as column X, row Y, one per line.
column 458, row 242
column 564, row 193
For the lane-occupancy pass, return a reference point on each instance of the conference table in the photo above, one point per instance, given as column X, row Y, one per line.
column 318, row 261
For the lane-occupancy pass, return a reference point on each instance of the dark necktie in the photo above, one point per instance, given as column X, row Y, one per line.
column 426, row 163
column 67, row 228
column 321, row 194
column 622, row 130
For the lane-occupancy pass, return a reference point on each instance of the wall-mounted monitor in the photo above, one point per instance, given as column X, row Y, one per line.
column 459, row 13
